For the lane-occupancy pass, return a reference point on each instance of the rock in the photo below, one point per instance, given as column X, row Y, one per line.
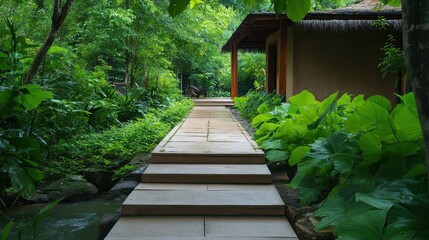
column 280, row 177
column 136, row 174
column 141, row 158
column 38, row 198
column 73, row 188
column 107, row 222
column 124, row 187
column 102, row 180
column 305, row 230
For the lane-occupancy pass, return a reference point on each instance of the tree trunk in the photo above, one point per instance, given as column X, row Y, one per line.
column 59, row 14
column 415, row 25
column 127, row 48
column 133, row 64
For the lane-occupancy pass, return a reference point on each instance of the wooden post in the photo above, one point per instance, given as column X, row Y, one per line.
column 234, row 72
column 281, row 90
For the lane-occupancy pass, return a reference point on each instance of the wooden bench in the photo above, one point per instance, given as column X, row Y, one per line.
column 195, row 92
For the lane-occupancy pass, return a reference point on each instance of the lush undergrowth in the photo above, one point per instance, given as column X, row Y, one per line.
column 248, row 104
column 111, row 150
column 359, row 161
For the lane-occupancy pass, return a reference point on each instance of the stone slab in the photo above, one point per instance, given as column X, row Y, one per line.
column 273, row 227
column 207, row 173
column 163, row 202
column 142, row 227
column 200, row 228
column 241, row 187
column 208, row 158
column 172, row 186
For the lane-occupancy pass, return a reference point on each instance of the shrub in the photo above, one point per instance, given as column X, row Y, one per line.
column 361, row 160
column 112, row 149
column 248, row 105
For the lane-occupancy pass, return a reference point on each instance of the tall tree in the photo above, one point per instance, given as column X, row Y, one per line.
column 415, row 27
column 59, row 14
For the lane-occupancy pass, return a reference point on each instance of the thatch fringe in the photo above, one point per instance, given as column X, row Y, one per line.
column 337, row 25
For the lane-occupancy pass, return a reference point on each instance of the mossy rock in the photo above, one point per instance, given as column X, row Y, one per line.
column 73, row 188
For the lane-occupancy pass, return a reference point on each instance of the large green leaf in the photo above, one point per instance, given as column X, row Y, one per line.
column 381, row 101
column 408, row 100
column 271, row 144
column 371, row 148
column 266, row 129
column 297, row 9
column 308, row 186
column 298, row 154
column 289, row 129
column 35, row 174
column 276, row 155
column 416, row 170
column 279, row 6
column 27, row 146
column 303, row 98
column 412, row 218
column 264, row 108
column 21, row 181
column 336, row 209
column 177, row 6
column 30, row 96
column 366, row 118
column 337, row 149
column 329, row 106
column 261, row 118
column 366, row 226
column 407, row 123
column 388, row 193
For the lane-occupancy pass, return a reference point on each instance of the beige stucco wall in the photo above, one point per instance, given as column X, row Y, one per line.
column 324, row 62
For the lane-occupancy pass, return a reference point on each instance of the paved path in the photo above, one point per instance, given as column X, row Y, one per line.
column 207, row 180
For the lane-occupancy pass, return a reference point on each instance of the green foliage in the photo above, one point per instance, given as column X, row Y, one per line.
column 250, row 104
column 300, row 122
column 251, row 72
column 20, row 149
column 393, row 61
column 112, row 149
column 361, row 160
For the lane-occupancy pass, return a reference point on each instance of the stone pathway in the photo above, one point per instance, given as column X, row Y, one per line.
column 207, row 180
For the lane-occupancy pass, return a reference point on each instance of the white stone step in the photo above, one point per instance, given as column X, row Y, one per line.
column 207, row 173
column 202, row 228
column 214, row 200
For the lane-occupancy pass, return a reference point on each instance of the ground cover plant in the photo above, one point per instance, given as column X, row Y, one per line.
column 111, row 150
column 359, row 161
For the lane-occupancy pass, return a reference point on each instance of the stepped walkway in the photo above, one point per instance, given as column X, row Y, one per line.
column 207, row 180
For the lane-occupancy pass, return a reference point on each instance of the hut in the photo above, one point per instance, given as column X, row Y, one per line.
column 327, row 51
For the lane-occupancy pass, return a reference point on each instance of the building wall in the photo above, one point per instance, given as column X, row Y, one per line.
column 324, row 62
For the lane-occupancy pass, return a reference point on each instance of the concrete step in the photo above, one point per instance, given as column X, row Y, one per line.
column 226, row 199
column 207, row 173
column 213, row 102
column 208, row 158
column 202, row 228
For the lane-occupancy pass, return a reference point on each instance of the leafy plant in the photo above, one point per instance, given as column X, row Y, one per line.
column 250, row 103
column 361, row 160
column 20, row 149
column 112, row 149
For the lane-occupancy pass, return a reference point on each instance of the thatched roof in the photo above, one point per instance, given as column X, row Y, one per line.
column 256, row 27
